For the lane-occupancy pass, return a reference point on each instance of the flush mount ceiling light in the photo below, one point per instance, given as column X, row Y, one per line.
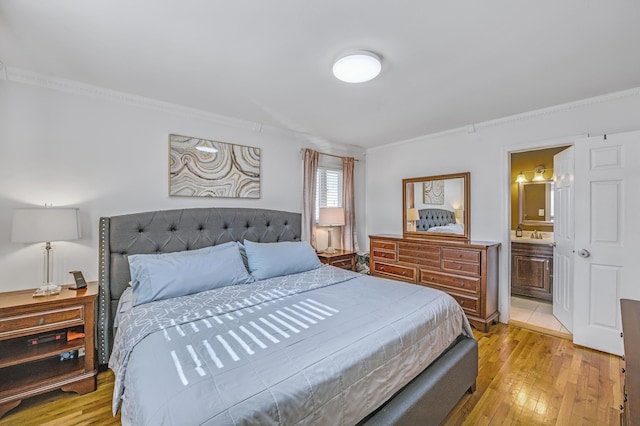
column 357, row 67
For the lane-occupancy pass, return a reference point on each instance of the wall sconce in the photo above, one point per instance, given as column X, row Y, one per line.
column 538, row 175
column 331, row 216
column 412, row 217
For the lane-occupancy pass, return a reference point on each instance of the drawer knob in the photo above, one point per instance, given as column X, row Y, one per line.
column 382, row 268
column 461, row 284
column 459, row 266
column 460, row 255
column 41, row 321
column 404, row 273
column 462, row 302
column 433, row 279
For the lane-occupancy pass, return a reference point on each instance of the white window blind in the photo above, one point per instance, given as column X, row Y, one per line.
column 328, row 188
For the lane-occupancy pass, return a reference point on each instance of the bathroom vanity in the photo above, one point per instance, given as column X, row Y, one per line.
column 532, row 266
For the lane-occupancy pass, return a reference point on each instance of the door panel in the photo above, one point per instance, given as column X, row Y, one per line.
column 563, row 234
column 607, row 178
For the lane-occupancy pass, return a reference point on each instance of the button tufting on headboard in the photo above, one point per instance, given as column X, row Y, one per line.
column 175, row 230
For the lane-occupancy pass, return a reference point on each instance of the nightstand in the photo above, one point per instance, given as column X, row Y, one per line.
column 341, row 259
column 35, row 355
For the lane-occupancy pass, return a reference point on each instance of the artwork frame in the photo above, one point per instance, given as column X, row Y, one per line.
column 433, row 192
column 208, row 168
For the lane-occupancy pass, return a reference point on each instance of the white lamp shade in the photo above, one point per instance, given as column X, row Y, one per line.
column 45, row 225
column 413, row 214
column 331, row 216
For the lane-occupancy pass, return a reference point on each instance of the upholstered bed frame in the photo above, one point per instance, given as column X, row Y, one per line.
column 426, row 400
column 434, row 217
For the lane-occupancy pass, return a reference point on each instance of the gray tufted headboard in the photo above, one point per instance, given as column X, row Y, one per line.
column 169, row 231
column 434, row 217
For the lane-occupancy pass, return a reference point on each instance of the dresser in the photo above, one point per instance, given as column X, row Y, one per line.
column 468, row 271
column 630, row 310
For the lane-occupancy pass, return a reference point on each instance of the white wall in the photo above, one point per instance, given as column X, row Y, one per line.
column 109, row 156
column 483, row 152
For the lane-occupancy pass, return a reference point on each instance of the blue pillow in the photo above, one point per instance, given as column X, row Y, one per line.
column 268, row 260
column 168, row 275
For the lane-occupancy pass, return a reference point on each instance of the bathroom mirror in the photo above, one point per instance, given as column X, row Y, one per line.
column 535, row 203
column 436, row 207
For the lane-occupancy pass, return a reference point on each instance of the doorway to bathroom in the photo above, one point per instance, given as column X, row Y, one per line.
column 532, row 243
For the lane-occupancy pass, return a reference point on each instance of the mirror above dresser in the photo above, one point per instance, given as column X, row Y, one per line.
column 436, row 207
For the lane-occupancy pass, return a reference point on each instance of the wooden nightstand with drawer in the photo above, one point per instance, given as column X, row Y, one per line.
column 36, row 355
column 341, row 259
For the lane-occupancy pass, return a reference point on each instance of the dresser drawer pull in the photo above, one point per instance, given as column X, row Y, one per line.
column 433, row 279
column 382, row 268
column 460, row 255
column 41, row 321
column 461, row 284
column 459, row 266
column 461, row 302
column 404, row 273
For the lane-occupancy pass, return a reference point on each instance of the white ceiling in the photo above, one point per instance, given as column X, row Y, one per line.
column 446, row 64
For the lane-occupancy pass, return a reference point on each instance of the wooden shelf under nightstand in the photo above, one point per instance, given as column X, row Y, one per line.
column 25, row 370
column 341, row 258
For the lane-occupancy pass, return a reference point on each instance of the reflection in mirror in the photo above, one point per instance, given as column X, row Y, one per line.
column 436, row 206
column 535, row 203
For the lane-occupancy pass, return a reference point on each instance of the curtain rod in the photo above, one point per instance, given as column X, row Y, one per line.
column 329, row 155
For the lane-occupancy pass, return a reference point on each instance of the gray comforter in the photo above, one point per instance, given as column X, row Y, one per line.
column 326, row 346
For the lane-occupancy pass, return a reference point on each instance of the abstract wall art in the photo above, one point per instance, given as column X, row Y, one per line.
column 207, row 168
column 433, row 192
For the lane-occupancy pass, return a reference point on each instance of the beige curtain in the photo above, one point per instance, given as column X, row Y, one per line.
column 309, row 196
column 349, row 235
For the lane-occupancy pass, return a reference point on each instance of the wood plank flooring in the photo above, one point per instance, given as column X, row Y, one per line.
column 525, row 378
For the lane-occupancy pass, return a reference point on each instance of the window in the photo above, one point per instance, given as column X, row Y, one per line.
column 328, row 188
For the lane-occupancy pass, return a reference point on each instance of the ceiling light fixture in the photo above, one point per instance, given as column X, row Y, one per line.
column 357, row 67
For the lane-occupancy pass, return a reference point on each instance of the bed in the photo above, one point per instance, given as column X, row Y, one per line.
column 438, row 221
column 314, row 346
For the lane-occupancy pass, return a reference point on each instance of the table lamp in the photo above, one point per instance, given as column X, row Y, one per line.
column 331, row 216
column 37, row 225
column 412, row 216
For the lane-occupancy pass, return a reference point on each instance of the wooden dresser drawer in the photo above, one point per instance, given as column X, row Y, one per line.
column 41, row 321
column 396, row 271
column 419, row 254
column 385, row 245
column 454, row 282
column 464, row 255
column 469, row 304
column 461, row 267
column 381, row 254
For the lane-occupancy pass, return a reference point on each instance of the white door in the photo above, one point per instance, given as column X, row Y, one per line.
column 563, row 235
column 607, row 237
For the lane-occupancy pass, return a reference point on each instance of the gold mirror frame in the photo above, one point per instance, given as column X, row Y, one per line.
column 466, row 207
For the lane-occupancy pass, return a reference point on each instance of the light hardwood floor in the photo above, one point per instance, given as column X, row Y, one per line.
column 524, row 378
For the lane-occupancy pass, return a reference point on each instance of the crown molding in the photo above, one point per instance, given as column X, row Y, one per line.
column 560, row 108
column 70, row 86
column 472, row 128
column 23, row 76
